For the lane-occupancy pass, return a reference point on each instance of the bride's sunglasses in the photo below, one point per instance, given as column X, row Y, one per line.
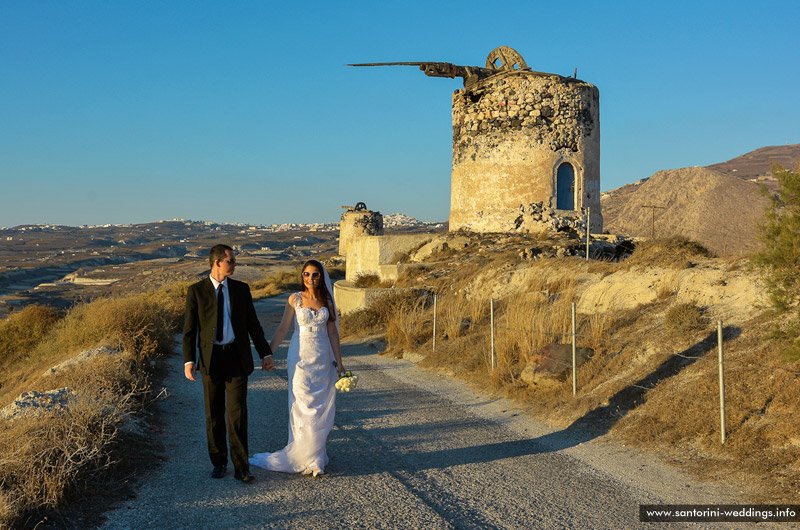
column 313, row 275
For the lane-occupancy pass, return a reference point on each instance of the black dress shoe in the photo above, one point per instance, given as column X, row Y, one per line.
column 219, row 471
column 244, row 476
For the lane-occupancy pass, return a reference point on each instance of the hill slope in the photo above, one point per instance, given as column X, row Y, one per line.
column 715, row 205
column 717, row 210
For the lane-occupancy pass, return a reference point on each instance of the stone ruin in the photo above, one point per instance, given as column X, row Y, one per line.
column 520, row 138
column 526, row 158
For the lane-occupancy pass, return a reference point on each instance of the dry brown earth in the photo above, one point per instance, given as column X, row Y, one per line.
column 717, row 205
column 719, row 211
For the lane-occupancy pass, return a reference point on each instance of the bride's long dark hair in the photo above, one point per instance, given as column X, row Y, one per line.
column 323, row 289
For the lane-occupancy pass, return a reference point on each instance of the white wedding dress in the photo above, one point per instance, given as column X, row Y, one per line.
column 312, row 395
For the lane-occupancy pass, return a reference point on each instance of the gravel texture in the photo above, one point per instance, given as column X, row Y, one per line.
column 410, row 449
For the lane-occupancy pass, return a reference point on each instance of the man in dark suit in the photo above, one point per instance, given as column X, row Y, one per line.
column 220, row 313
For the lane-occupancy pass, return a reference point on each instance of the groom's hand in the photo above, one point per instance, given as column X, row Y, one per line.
column 189, row 370
column 267, row 364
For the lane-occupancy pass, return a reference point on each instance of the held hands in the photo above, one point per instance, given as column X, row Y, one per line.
column 267, row 364
column 339, row 369
column 190, row 371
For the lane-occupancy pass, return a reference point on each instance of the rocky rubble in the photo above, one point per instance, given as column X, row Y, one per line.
column 32, row 403
column 82, row 357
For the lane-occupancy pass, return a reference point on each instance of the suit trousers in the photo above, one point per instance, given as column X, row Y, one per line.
column 225, row 395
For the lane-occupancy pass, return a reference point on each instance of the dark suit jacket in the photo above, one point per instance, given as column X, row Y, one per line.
column 200, row 320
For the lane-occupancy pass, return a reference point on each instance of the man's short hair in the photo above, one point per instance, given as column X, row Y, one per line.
column 218, row 253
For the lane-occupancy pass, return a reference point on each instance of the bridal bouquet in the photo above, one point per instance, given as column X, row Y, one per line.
column 347, row 382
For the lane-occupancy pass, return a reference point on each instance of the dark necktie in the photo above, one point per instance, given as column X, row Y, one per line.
column 220, row 313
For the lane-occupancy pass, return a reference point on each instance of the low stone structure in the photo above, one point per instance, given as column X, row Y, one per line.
column 357, row 222
column 374, row 255
column 381, row 255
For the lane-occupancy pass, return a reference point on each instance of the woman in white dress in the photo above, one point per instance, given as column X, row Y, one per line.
column 314, row 362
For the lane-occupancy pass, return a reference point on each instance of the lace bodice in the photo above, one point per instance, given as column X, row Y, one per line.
column 305, row 316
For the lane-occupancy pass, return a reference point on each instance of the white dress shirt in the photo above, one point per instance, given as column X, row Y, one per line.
column 227, row 327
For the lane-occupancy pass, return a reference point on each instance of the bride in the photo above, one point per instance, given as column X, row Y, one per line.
column 314, row 362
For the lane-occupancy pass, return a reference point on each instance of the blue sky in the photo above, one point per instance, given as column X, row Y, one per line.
column 135, row 111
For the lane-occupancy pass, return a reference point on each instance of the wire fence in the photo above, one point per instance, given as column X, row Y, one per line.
column 571, row 337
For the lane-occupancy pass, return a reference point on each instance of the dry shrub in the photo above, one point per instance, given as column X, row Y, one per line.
column 171, row 297
column 277, row 283
column 595, row 330
column 375, row 317
column 671, row 252
column 668, row 287
column 453, row 319
column 48, row 456
column 681, row 417
column 466, row 356
column 685, row 317
column 370, row 281
column 21, row 331
column 363, row 320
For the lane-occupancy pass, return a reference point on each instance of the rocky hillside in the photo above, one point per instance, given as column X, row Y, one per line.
column 717, row 205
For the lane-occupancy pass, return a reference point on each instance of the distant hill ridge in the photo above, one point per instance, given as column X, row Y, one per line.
column 718, row 205
column 758, row 163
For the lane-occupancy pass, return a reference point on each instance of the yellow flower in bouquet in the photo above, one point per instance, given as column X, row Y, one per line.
column 347, row 382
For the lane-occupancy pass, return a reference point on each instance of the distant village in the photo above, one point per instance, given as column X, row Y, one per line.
column 395, row 220
column 390, row 221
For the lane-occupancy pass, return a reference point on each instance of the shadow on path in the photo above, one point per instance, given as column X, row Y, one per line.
column 362, row 425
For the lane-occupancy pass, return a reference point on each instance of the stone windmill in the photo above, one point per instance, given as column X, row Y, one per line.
column 526, row 145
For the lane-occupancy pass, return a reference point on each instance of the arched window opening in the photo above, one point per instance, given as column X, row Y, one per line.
column 565, row 187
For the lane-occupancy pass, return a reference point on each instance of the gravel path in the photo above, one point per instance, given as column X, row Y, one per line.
column 410, row 449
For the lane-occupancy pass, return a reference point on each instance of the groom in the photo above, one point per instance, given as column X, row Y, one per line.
column 220, row 313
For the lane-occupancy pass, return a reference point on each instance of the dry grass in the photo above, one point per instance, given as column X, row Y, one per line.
column 375, row 317
column 50, row 456
column 762, row 392
column 276, row 283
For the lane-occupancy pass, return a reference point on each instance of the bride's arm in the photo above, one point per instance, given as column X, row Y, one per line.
column 333, row 335
column 283, row 328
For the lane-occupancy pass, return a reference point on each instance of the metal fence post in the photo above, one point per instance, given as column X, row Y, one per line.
column 491, row 313
column 434, row 321
column 588, row 222
column 721, row 383
column 574, row 363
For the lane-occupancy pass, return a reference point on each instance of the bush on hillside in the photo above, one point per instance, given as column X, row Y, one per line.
column 779, row 259
column 23, row 330
column 685, row 317
column 673, row 252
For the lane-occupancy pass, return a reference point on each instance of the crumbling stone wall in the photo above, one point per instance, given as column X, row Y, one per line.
column 510, row 135
column 358, row 223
